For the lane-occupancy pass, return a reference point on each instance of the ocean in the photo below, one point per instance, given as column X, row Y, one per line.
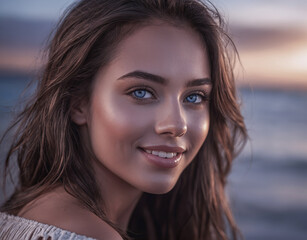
column 267, row 187
column 268, row 184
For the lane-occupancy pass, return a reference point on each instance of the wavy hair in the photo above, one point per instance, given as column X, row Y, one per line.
column 47, row 144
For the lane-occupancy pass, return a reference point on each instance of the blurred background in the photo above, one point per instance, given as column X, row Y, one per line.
column 268, row 185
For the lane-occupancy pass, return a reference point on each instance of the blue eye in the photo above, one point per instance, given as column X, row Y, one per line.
column 141, row 93
column 194, row 98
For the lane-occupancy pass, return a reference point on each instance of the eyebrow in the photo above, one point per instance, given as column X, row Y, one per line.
column 161, row 80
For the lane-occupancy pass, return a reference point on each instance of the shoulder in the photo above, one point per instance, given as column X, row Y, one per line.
column 61, row 210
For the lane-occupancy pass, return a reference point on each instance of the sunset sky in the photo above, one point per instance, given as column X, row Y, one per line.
column 271, row 36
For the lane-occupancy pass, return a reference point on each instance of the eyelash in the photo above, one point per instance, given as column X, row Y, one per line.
column 143, row 88
column 203, row 94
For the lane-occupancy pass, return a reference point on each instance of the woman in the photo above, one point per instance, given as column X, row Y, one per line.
column 133, row 128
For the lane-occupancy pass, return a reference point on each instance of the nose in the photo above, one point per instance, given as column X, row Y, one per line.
column 171, row 120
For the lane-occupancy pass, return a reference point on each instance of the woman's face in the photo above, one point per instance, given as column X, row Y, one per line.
column 149, row 110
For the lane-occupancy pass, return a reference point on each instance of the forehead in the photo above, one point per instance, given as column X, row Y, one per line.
column 164, row 49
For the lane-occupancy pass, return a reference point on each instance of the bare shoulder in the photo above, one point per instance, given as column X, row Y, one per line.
column 59, row 209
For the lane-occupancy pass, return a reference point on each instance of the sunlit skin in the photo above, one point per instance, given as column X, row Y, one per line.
column 153, row 95
column 144, row 99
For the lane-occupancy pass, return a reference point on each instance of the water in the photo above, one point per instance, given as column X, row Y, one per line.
column 268, row 184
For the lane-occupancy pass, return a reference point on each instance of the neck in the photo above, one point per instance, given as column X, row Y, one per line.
column 119, row 197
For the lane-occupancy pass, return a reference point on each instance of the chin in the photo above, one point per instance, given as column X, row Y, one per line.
column 159, row 188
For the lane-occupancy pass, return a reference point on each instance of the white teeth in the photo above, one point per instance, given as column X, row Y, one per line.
column 162, row 154
column 155, row 153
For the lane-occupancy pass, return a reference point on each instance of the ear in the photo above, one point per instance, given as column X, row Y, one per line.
column 79, row 112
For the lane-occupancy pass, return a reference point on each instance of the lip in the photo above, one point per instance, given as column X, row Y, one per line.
column 163, row 162
column 164, row 148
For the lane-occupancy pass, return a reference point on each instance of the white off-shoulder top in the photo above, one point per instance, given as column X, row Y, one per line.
column 18, row 228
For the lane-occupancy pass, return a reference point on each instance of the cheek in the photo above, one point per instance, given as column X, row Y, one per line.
column 199, row 128
column 204, row 124
column 108, row 124
column 115, row 126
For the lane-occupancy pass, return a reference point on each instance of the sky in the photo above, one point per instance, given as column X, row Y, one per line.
column 34, row 9
column 272, row 40
column 271, row 35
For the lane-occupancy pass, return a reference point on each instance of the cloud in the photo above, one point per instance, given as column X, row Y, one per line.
column 24, row 33
column 269, row 13
column 33, row 9
column 272, row 56
column 257, row 37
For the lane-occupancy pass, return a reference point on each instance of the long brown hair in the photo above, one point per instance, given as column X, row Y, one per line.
column 47, row 143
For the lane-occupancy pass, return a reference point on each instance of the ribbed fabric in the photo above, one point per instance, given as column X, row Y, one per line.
column 18, row 228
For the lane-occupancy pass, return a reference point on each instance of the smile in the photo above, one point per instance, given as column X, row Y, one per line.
column 163, row 156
